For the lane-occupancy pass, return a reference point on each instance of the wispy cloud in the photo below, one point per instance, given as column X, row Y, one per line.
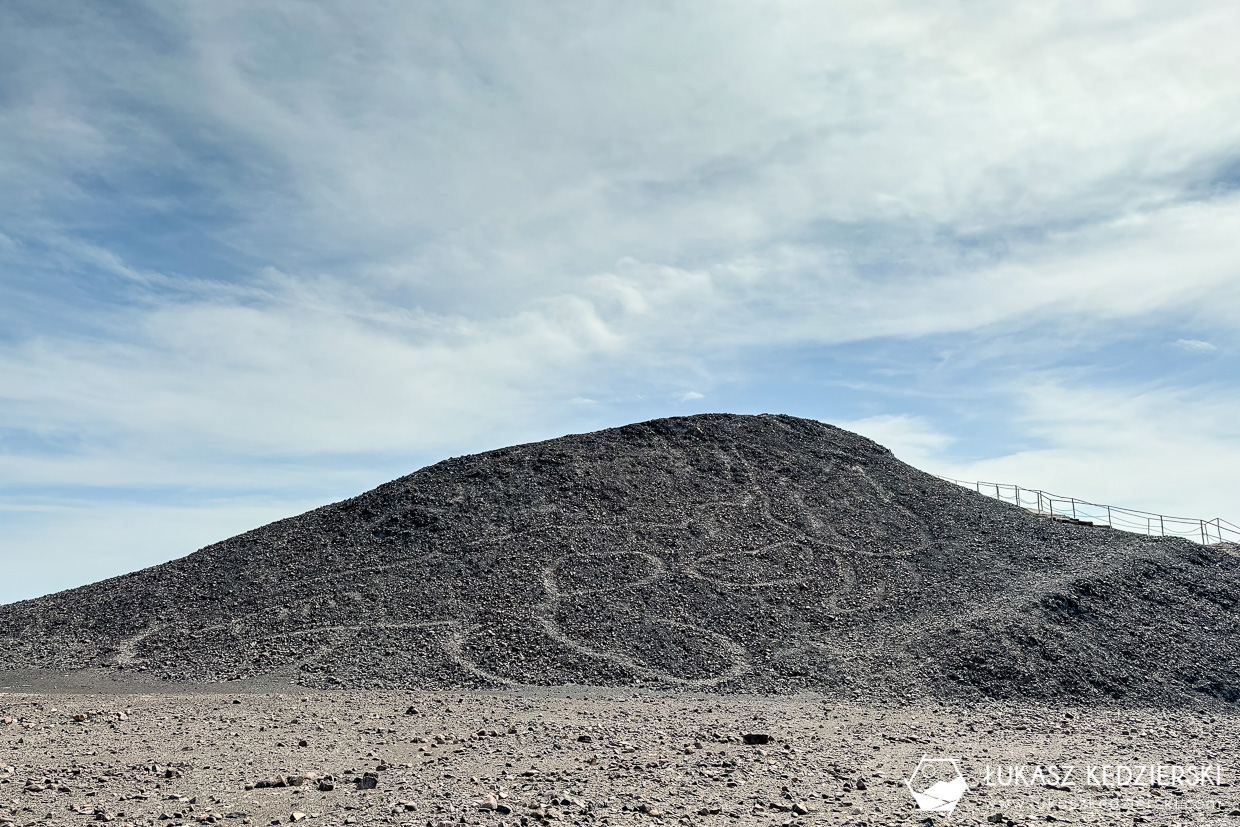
column 50, row 546
column 913, row 439
column 1167, row 450
column 1195, row 345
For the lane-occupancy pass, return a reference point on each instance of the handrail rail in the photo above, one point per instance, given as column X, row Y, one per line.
column 1206, row 532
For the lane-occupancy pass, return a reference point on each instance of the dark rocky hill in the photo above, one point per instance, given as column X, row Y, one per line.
column 714, row 552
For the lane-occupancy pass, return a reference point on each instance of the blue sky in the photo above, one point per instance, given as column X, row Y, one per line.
column 259, row 257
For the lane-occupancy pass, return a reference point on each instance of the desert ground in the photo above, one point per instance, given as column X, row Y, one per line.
column 75, row 753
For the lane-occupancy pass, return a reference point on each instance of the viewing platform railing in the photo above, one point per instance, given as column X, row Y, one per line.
column 1206, row 532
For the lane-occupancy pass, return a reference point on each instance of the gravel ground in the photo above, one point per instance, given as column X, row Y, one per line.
column 757, row 554
column 585, row 756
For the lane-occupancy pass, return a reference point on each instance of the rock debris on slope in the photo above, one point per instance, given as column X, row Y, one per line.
column 715, row 552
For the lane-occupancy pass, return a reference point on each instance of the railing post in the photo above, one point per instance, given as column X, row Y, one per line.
column 1017, row 487
column 1074, row 508
column 1162, row 526
column 1203, row 532
column 1110, row 522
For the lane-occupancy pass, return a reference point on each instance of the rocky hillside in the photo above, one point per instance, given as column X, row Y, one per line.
column 715, row 552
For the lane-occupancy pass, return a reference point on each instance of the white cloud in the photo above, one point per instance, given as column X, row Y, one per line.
column 913, row 439
column 54, row 546
column 304, row 371
column 1094, row 275
column 1169, row 451
column 289, row 366
column 1195, row 345
column 477, row 145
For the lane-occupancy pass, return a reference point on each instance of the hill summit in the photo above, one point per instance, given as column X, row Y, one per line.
column 715, row 552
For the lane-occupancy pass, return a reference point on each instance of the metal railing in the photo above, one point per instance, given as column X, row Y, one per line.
column 1206, row 532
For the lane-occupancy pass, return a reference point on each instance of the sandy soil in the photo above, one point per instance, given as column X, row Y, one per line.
column 582, row 756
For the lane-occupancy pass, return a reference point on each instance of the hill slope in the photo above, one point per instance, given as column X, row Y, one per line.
column 716, row 552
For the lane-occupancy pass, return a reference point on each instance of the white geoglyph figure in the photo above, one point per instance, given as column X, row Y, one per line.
column 937, row 784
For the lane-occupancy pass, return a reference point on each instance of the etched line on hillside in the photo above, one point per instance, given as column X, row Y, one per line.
column 452, row 645
column 127, row 649
column 886, row 496
column 694, row 569
column 545, row 613
column 551, row 584
column 803, row 554
column 739, row 666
